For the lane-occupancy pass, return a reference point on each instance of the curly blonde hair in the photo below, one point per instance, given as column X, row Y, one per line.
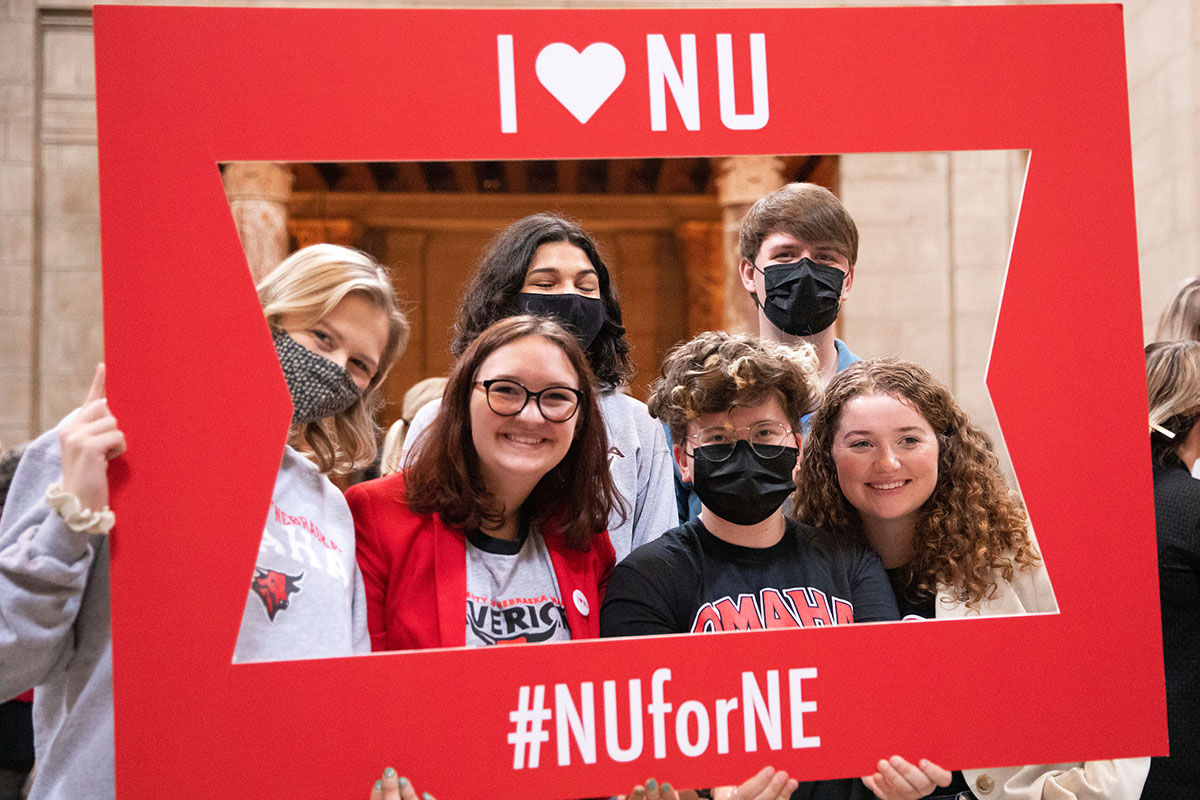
column 717, row 370
column 970, row 528
column 309, row 283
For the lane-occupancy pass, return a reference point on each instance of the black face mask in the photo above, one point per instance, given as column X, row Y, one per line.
column 745, row 488
column 584, row 315
column 802, row 297
column 319, row 387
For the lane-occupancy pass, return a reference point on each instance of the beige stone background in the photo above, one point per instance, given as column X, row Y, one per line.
column 950, row 214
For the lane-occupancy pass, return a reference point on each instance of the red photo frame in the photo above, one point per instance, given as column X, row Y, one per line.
column 194, row 382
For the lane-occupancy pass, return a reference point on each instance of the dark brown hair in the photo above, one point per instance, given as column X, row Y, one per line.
column 491, row 294
column 804, row 210
column 443, row 474
column 970, row 527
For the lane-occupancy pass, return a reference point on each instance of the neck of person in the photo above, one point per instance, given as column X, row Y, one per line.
column 822, row 342
column 511, row 498
column 892, row 539
column 760, row 534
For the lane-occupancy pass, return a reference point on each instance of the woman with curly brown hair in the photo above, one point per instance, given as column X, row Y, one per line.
column 892, row 459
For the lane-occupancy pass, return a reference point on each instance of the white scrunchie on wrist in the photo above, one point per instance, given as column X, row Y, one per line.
column 75, row 516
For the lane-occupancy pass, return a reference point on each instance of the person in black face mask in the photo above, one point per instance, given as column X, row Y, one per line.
column 798, row 246
column 733, row 403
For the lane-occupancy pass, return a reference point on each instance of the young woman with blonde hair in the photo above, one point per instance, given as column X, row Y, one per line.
column 337, row 328
column 1173, row 383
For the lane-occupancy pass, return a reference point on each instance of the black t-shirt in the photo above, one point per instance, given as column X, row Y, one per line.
column 910, row 608
column 688, row 580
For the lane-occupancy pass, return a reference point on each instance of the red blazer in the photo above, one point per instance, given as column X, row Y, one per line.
column 414, row 569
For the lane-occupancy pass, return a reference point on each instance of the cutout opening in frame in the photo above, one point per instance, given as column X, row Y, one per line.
column 937, row 262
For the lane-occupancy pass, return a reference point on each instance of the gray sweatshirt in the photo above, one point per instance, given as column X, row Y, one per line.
column 638, row 458
column 55, row 633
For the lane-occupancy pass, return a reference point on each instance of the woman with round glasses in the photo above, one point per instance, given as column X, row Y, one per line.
column 546, row 265
column 735, row 402
column 495, row 530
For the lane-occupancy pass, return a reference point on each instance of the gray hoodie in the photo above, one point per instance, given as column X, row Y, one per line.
column 54, row 610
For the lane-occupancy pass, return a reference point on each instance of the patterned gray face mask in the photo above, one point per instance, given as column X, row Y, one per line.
column 319, row 387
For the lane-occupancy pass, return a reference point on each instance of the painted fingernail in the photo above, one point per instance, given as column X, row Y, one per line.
column 403, row 783
column 426, row 796
column 638, row 794
column 666, row 787
column 379, row 786
column 389, row 773
column 651, row 785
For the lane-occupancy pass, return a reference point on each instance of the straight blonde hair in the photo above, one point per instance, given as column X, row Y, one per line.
column 1173, row 388
column 309, row 284
column 1181, row 318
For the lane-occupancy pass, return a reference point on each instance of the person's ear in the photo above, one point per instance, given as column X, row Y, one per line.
column 746, row 273
column 846, row 283
column 684, row 462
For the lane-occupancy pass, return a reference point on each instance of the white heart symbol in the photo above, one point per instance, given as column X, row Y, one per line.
column 581, row 81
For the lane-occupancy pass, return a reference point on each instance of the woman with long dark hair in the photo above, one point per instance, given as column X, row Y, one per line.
column 495, row 530
column 547, row 265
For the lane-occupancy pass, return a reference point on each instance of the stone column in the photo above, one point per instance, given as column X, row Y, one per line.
column 258, row 193
column 740, row 181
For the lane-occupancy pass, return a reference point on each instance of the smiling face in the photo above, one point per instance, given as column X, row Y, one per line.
column 561, row 268
column 353, row 335
column 886, row 456
column 515, row 452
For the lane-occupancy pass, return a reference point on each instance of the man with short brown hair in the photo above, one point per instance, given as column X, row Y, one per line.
column 798, row 248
